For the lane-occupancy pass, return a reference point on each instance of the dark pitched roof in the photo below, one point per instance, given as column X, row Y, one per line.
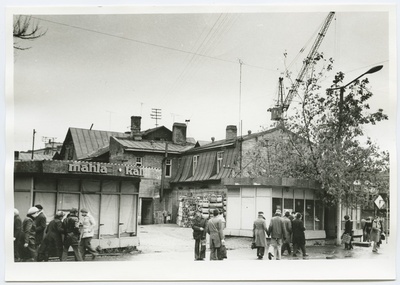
column 206, row 166
column 151, row 146
column 86, row 142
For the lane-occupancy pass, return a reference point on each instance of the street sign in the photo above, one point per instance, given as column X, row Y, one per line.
column 379, row 202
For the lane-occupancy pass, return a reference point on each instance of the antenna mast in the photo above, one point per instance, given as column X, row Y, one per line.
column 156, row 115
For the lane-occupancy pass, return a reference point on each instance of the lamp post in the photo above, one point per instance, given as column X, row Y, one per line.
column 338, row 137
column 342, row 88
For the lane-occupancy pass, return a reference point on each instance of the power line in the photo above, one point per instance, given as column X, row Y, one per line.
column 147, row 43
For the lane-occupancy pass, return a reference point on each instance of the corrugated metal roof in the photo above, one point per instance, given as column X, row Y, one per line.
column 87, row 142
column 152, row 146
column 36, row 156
column 206, row 167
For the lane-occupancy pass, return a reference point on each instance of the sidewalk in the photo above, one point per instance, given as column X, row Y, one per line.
column 168, row 241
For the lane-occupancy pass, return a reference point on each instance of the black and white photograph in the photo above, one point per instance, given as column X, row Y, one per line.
column 201, row 143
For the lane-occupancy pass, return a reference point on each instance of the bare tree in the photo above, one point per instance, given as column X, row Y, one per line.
column 25, row 29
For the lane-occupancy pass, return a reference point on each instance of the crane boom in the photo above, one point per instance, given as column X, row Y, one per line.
column 284, row 105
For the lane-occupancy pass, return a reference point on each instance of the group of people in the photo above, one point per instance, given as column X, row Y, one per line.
column 215, row 228
column 35, row 240
column 373, row 231
column 284, row 233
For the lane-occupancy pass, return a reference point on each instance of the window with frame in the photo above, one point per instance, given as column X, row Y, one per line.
column 168, row 165
column 219, row 160
column 195, row 162
column 139, row 161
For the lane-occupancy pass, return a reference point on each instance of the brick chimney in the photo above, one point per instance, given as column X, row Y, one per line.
column 231, row 132
column 135, row 128
column 179, row 133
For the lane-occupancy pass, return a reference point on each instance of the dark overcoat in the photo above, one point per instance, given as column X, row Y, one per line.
column 40, row 226
column 199, row 222
column 298, row 232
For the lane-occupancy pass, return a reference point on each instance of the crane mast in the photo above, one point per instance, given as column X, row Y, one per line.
column 283, row 105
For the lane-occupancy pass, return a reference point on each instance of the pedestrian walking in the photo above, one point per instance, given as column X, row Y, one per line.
column 88, row 223
column 17, row 235
column 376, row 233
column 217, row 239
column 52, row 244
column 259, row 234
column 348, row 233
column 28, row 252
column 221, row 217
column 287, row 228
column 72, row 235
column 367, row 229
column 298, row 236
column 276, row 231
column 40, row 226
column 199, row 235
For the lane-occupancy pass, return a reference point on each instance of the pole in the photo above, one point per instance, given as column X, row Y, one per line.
column 240, row 94
column 33, row 143
column 387, row 219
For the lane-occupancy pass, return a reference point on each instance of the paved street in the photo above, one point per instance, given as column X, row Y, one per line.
column 168, row 241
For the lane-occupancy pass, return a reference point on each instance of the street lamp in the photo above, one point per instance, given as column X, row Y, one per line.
column 342, row 88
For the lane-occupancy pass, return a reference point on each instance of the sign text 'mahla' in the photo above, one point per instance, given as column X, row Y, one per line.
column 102, row 169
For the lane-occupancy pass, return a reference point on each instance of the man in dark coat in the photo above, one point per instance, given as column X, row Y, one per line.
column 299, row 239
column 72, row 235
column 259, row 234
column 287, row 227
column 28, row 251
column 40, row 226
column 52, row 241
column 17, row 234
column 199, row 235
column 217, row 239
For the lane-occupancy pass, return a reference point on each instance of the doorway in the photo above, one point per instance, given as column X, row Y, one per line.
column 147, row 211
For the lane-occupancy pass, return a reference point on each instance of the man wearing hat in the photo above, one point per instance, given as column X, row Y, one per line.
column 88, row 223
column 52, row 242
column 72, row 235
column 287, row 226
column 259, row 234
column 199, row 235
column 276, row 231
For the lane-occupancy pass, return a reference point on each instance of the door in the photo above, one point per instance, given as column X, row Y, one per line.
column 147, row 211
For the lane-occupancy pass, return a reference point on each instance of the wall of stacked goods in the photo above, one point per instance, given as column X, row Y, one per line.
column 204, row 202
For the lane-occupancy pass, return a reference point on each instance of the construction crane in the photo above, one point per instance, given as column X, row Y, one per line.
column 283, row 102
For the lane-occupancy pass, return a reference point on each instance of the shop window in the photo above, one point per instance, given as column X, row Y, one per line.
column 319, row 212
column 67, row 201
column 109, row 186
column 22, row 183
column 128, row 215
column 168, row 165
column 45, row 184
column 219, row 160
column 129, row 187
column 195, row 162
column 92, row 203
column 22, row 202
column 90, row 186
column 288, row 206
column 68, row 185
column 109, row 216
column 299, row 206
column 48, row 202
column 309, row 215
column 276, row 205
column 234, row 191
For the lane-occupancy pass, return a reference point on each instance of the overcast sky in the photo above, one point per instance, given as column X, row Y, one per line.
column 102, row 69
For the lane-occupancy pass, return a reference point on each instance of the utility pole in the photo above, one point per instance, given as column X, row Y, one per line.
column 156, row 115
column 33, row 143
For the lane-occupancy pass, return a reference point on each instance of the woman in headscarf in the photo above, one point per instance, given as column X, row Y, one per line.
column 29, row 235
column 376, row 233
column 52, row 244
